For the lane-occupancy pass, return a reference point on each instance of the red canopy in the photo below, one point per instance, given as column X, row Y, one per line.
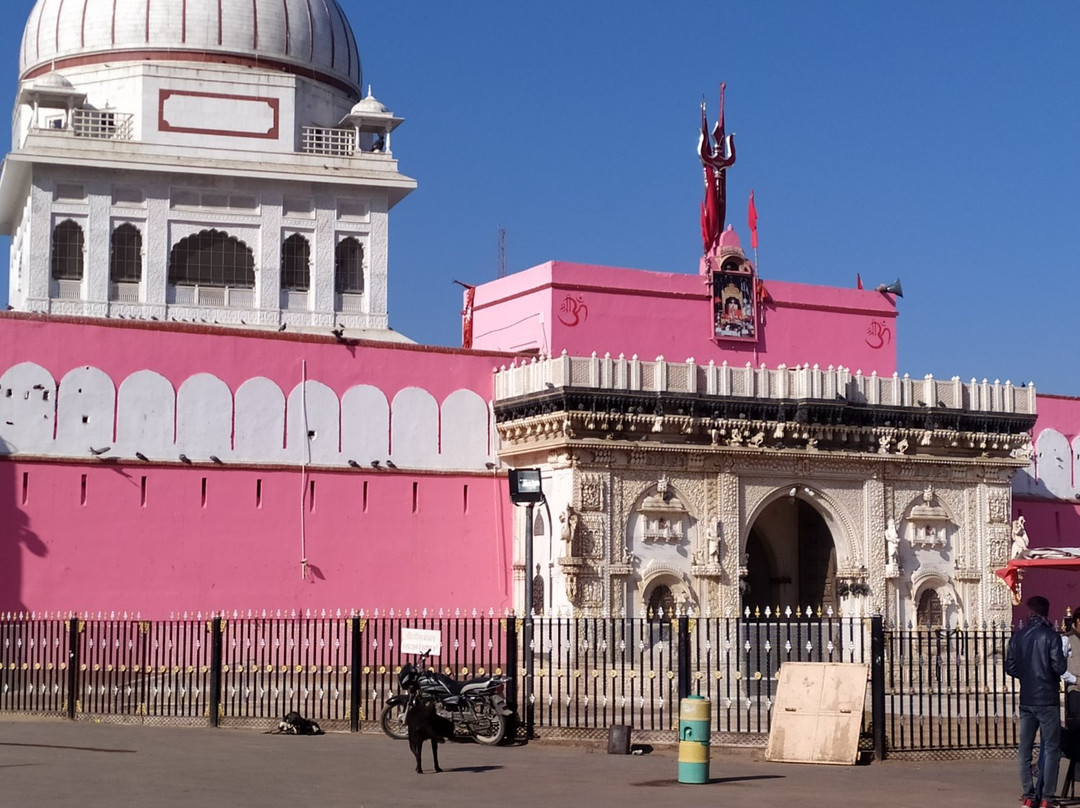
column 1012, row 574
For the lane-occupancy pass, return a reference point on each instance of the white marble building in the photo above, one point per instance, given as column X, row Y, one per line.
column 199, row 161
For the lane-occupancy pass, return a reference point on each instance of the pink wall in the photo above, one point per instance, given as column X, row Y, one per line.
column 1053, row 522
column 106, row 551
column 416, row 540
column 178, row 351
column 583, row 309
column 1059, row 412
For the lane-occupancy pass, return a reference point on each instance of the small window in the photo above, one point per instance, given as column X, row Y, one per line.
column 349, row 267
column 212, row 258
column 125, row 255
column 67, row 251
column 537, row 604
column 295, row 263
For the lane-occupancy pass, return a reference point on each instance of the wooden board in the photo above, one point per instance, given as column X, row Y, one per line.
column 818, row 713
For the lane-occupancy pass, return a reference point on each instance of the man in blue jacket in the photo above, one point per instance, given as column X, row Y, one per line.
column 1036, row 658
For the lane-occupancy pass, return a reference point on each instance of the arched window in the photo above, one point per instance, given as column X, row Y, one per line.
column 538, row 525
column 295, row 263
column 538, row 592
column 349, row 267
column 212, row 258
column 67, row 251
column 125, row 254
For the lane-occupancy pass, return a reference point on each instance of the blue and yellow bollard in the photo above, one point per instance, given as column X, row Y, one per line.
column 695, row 719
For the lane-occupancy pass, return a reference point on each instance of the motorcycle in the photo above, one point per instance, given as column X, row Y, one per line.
column 477, row 707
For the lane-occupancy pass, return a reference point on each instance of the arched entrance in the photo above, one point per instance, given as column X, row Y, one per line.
column 790, row 558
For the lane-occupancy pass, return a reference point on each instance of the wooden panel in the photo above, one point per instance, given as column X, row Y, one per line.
column 818, row 713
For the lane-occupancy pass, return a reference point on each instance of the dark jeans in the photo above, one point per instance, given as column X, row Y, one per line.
column 1047, row 721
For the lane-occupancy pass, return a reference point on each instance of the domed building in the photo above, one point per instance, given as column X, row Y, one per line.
column 198, row 161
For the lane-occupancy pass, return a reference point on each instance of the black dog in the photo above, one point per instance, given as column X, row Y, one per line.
column 425, row 724
column 295, row 724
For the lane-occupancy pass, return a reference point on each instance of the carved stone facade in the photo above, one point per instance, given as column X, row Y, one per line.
column 718, row 517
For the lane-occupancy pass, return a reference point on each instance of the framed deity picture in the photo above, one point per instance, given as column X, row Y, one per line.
column 734, row 304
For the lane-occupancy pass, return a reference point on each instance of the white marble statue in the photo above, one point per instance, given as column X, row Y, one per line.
column 1019, row 539
column 892, row 543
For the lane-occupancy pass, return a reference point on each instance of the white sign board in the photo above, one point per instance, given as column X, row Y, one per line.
column 421, row 640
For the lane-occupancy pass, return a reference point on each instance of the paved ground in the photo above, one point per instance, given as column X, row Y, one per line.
column 64, row 764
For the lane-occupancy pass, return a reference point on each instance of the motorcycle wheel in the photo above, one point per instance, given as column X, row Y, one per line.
column 490, row 727
column 392, row 720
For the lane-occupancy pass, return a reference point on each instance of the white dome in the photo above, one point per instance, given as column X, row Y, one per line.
column 307, row 37
column 52, row 81
column 369, row 105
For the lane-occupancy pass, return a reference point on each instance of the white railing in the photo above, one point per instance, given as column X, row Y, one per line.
column 783, row 382
column 67, row 290
column 349, row 303
column 101, row 125
column 217, row 296
column 124, row 292
column 328, row 141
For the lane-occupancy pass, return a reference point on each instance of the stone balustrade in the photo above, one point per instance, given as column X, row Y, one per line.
column 800, row 382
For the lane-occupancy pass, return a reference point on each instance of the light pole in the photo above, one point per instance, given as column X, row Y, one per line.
column 525, row 490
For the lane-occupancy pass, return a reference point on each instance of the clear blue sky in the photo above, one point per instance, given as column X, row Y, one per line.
column 937, row 142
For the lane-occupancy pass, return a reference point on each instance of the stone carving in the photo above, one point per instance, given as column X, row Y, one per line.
column 592, row 492
column 929, row 522
column 592, row 592
column 999, row 509
column 892, row 545
column 664, row 515
column 714, row 547
column 569, row 521
column 1020, row 547
column 1024, row 452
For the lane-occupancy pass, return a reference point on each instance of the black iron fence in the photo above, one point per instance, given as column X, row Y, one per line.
column 933, row 691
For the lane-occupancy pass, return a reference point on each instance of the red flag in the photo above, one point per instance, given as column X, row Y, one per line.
column 858, row 281
column 751, row 218
column 466, row 317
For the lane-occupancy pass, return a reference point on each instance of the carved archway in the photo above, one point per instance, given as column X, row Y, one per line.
column 791, row 553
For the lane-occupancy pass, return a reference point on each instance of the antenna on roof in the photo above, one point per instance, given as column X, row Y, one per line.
column 500, row 271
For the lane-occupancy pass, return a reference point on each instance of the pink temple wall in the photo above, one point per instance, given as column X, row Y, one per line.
column 93, row 535
column 105, row 551
column 1053, row 521
column 580, row 309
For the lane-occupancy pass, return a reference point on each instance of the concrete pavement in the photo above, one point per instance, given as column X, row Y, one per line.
column 60, row 764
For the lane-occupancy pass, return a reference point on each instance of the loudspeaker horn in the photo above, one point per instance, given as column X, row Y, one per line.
column 893, row 288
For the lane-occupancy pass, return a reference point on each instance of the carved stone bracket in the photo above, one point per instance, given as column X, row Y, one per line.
column 714, row 571
column 572, row 569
